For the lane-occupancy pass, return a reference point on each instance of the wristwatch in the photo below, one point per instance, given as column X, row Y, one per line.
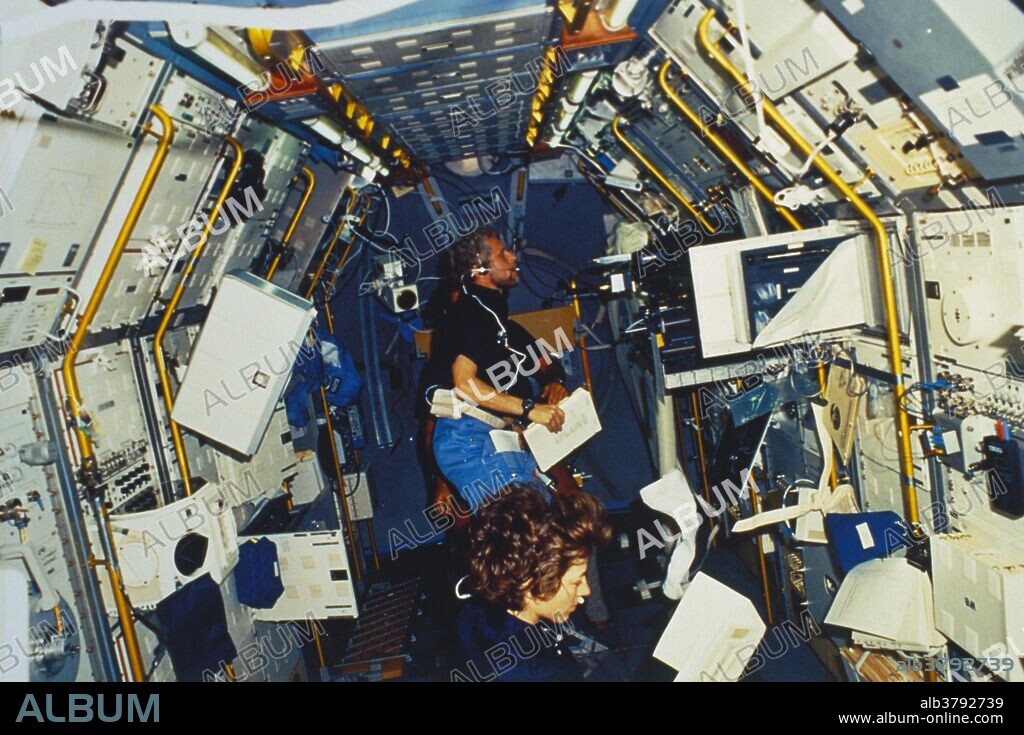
column 528, row 405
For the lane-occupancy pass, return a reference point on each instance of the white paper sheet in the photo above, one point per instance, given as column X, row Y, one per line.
column 581, row 423
column 505, row 441
column 713, row 633
column 672, row 496
column 832, row 298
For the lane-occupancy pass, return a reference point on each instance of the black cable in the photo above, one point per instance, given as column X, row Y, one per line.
column 526, row 282
column 529, row 266
column 402, row 397
column 358, row 480
column 920, row 408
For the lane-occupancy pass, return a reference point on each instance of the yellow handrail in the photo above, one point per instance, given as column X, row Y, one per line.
column 833, row 475
column 310, row 185
column 82, row 437
column 339, row 475
column 172, row 305
column 892, row 327
column 583, row 340
column 722, row 148
column 658, row 175
column 342, row 497
column 755, row 508
column 330, row 248
column 106, row 275
column 698, row 429
column 337, row 271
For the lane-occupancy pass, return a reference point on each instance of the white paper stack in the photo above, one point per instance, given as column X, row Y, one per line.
column 887, row 603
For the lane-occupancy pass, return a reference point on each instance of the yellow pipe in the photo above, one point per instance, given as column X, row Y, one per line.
column 106, row 275
column 70, row 375
column 755, row 506
column 172, row 305
column 330, row 432
column 124, row 612
column 330, row 249
column 583, row 340
column 319, row 647
column 700, row 446
column 323, row 263
column 353, row 537
column 892, row 327
column 373, row 543
column 658, row 175
column 430, row 194
column 334, row 276
column 310, row 185
column 722, row 148
column 833, row 476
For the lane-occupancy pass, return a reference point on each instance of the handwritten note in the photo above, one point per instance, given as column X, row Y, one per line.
column 581, row 423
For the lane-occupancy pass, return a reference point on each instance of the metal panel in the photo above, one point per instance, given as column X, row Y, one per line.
column 316, row 575
column 437, row 42
column 976, row 293
column 960, row 61
column 171, row 205
column 415, row 14
column 410, row 78
column 309, row 231
column 128, row 87
column 59, row 196
column 242, row 361
column 431, row 134
column 251, row 480
column 236, row 248
column 449, row 73
column 110, row 396
column 978, row 587
column 156, row 552
column 34, row 488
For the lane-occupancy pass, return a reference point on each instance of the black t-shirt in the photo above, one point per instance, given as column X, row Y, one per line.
column 495, row 646
column 477, row 326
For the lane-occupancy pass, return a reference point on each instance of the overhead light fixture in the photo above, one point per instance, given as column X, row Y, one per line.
column 219, row 52
column 356, row 149
column 327, row 130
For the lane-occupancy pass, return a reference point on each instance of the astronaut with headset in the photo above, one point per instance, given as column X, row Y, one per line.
column 493, row 363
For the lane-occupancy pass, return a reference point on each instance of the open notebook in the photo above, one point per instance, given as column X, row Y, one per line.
column 581, row 423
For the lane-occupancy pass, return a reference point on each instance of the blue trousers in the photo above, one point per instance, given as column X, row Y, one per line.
column 467, row 458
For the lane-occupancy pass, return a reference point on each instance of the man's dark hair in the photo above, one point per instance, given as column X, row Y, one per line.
column 472, row 251
column 522, row 542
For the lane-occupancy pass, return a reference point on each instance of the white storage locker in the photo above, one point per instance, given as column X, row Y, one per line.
column 241, row 361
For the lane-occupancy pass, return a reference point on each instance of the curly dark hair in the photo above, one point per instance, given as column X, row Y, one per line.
column 523, row 543
column 471, row 251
